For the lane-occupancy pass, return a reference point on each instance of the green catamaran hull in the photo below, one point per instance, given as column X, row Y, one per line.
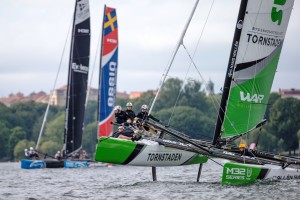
column 237, row 173
column 144, row 153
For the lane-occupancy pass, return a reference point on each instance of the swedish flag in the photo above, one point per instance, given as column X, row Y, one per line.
column 110, row 22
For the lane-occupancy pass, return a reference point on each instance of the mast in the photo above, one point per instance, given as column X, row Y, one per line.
column 179, row 43
column 77, row 78
column 100, row 72
column 230, row 69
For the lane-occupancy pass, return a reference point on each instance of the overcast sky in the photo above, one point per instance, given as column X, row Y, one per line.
column 34, row 33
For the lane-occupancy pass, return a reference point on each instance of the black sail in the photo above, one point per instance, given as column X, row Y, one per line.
column 77, row 78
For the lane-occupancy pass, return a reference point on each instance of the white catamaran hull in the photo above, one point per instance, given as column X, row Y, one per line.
column 143, row 153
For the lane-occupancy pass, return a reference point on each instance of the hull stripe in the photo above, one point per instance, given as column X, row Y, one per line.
column 185, row 163
column 263, row 173
column 135, row 152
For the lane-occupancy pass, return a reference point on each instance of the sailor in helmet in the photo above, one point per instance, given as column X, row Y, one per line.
column 32, row 154
column 129, row 112
column 118, row 132
column 26, row 153
column 58, row 155
column 144, row 114
column 120, row 115
column 245, row 151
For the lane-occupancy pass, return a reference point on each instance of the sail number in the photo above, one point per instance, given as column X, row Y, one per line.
column 112, row 84
column 276, row 15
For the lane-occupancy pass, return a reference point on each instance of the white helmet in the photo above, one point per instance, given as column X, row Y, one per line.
column 118, row 108
column 25, row 149
column 31, row 148
column 144, row 107
column 129, row 104
column 58, row 151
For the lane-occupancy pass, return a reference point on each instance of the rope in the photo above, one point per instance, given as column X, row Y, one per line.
column 53, row 88
column 185, row 78
column 215, row 162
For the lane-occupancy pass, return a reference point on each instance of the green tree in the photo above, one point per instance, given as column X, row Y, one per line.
column 91, row 112
column 190, row 121
column 272, row 99
column 55, row 131
column 50, row 147
column 4, row 135
column 285, row 121
column 17, row 134
column 90, row 138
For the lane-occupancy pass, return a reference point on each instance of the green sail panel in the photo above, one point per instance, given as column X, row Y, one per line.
column 248, row 100
column 253, row 64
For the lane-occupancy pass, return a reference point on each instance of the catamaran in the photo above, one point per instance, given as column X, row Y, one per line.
column 76, row 95
column 257, row 43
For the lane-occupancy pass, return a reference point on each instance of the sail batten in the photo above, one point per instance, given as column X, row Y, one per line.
column 258, row 40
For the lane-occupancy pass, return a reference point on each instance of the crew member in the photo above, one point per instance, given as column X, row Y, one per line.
column 120, row 115
column 145, row 115
column 245, row 151
column 26, row 153
column 32, row 154
column 129, row 112
column 58, row 155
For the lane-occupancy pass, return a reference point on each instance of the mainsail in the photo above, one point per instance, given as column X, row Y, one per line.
column 77, row 78
column 256, row 47
column 108, row 72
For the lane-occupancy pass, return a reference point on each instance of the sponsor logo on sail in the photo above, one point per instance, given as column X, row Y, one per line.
column 112, row 84
column 80, row 68
column 83, row 30
column 233, row 58
column 276, row 14
column 257, row 98
column 263, row 40
column 113, row 41
column 239, row 25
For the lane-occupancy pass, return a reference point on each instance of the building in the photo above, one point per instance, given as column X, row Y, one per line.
column 135, row 95
column 122, row 95
column 284, row 93
column 12, row 99
column 58, row 97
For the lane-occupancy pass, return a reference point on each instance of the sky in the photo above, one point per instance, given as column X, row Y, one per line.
column 34, row 43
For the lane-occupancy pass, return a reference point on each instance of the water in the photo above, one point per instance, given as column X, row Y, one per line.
column 124, row 182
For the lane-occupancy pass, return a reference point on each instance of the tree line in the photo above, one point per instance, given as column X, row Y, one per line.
column 182, row 106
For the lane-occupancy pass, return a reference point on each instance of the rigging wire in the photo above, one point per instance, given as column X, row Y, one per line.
column 92, row 72
column 53, row 88
column 185, row 78
column 180, row 41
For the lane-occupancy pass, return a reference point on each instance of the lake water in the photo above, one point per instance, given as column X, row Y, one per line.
column 125, row 182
